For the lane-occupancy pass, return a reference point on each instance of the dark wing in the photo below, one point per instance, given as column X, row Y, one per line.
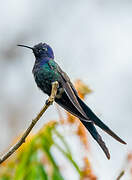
column 72, row 103
column 67, row 85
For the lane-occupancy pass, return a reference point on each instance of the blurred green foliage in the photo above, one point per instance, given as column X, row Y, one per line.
column 34, row 160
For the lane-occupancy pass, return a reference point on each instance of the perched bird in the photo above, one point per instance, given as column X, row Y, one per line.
column 46, row 71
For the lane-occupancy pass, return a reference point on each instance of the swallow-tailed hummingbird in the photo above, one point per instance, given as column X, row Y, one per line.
column 46, row 71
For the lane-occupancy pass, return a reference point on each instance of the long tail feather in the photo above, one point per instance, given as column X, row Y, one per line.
column 92, row 130
column 98, row 122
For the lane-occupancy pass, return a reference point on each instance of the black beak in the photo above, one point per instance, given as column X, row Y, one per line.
column 25, row 46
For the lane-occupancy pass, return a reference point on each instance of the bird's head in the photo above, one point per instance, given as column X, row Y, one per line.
column 41, row 50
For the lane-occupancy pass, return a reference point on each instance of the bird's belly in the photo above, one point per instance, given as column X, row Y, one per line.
column 44, row 84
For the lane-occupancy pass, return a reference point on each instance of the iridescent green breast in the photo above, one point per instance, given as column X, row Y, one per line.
column 45, row 75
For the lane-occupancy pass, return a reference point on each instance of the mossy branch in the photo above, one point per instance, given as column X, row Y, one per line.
column 34, row 121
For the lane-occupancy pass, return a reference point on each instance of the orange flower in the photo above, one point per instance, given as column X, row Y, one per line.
column 129, row 157
column 82, row 89
column 71, row 118
column 82, row 133
column 87, row 171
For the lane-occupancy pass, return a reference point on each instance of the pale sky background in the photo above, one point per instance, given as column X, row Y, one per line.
column 92, row 40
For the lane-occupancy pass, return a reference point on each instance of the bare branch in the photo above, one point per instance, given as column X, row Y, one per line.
column 34, row 121
column 120, row 175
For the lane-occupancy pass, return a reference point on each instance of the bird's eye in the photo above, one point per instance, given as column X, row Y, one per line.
column 44, row 48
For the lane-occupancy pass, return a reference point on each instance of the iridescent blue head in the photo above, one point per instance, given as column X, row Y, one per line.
column 41, row 50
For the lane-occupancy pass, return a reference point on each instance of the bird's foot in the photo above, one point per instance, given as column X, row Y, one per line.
column 50, row 100
column 53, row 93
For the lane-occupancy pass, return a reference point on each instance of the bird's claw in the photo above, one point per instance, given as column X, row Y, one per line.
column 49, row 101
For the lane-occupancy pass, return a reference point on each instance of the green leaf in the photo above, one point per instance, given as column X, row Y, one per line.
column 69, row 157
column 5, row 178
column 63, row 140
column 25, row 159
column 56, row 171
column 42, row 172
column 56, row 175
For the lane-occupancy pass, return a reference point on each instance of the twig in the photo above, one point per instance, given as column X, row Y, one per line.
column 120, row 175
column 34, row 121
